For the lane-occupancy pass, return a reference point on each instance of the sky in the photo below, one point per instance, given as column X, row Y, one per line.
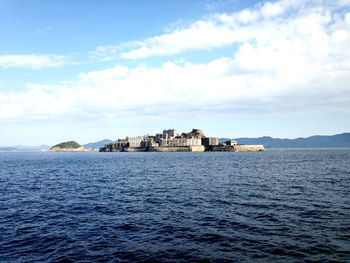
column 88, row 70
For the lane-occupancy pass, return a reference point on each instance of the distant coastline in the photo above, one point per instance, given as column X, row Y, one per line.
column 317, row 141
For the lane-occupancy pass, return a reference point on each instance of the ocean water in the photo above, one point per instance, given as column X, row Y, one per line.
column 273, row 206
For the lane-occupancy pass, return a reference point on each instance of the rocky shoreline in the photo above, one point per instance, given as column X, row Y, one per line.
column 80, row 149
column 70, row 146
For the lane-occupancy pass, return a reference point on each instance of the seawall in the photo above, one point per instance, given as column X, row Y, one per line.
column 236, row 148
column 249, row 148
column 193, row 148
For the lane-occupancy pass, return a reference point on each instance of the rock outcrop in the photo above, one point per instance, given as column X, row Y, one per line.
column 58, row 149
column 70, row 146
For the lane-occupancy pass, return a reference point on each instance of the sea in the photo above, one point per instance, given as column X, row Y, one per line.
column 281, row 205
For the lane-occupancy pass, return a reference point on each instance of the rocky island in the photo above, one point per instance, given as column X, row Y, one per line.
column 70, row 146
column 171, row 141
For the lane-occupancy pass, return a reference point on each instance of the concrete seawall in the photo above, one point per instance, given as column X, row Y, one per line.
column 171, row 149
column 236, row 148
column 193, row 148
column 249, row 148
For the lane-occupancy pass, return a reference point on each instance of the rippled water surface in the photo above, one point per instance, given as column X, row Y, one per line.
column 273, row 206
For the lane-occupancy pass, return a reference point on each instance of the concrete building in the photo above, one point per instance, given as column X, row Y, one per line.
column 171, row 132
column 148, row 142
column 180, row 142
column 194, row 141
column 210, row 141
column 121, row 143
column 231, row 143
column 160, row 136
column 133, row 142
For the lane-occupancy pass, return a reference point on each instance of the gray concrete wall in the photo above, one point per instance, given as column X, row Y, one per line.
column 220, row 148
column 197, row 148
column 249, row 148
column 235, row 148
column 170, row 149
column 193, row 148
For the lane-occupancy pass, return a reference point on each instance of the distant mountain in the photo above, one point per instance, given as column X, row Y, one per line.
column 8, row 149
column 317, row 141
column 20, row 148
column 98, row 144
column 31, row 148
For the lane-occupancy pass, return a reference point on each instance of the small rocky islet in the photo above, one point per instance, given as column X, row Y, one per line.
column 70, row 146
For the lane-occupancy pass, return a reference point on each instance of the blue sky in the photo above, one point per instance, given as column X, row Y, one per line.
column 89, row 70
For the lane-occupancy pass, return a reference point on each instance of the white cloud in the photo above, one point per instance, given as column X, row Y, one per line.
column 220, row 30
column 227, row 86
column 97, row 76
column 32, row 61
column 298, row 63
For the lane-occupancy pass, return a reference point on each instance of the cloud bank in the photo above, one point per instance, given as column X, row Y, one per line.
column 32, row 61
column 268, row 24
column 292, row 57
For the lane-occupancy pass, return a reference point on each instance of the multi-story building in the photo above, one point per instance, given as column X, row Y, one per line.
column 169, row 138
column 160, row 136
column 133, row 142
column 180, row 142
column 148, row 142
column 121, row 143
column 194, row 141
column 210, row 141
column 171, row 132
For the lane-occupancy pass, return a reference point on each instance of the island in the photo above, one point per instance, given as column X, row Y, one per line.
column 70, row 146
column 171, row 141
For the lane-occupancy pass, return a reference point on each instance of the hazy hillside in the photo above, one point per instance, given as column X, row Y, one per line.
column 317, row 141
column 98, row 144
column 8, row 149
column 30, row 148
column 20, row 148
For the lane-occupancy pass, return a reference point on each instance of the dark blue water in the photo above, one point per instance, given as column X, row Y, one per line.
column 273, row 206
